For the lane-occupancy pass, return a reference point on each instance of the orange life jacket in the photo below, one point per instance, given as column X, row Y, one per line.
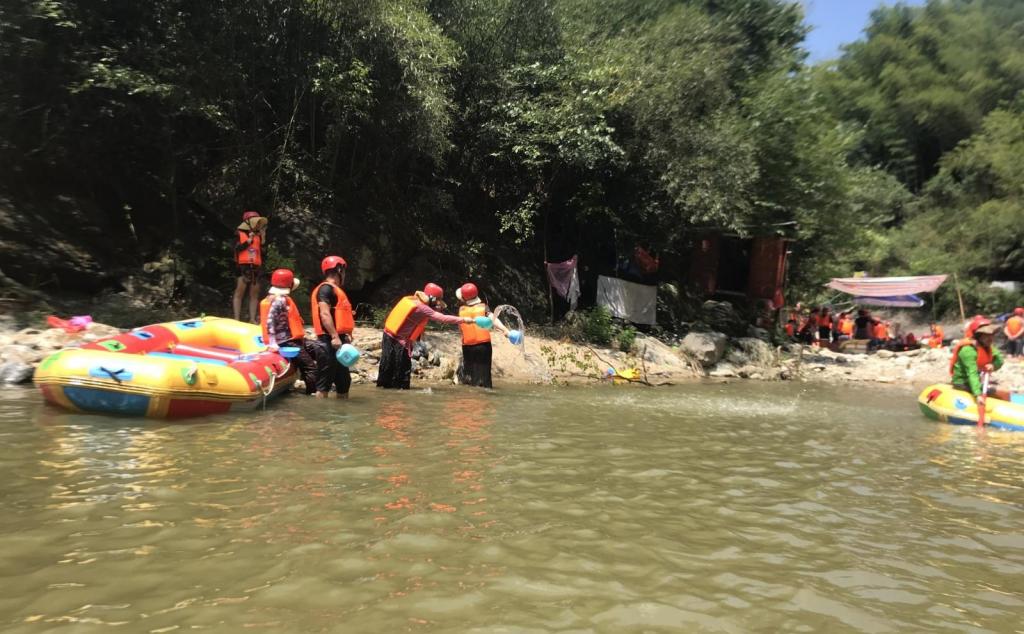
column 1014, row 325
column 935, row 340
column 295, row 328
column 790, row 329
column 344, row 322
column 253, row 254
column 471, row 333
column 824, row 321
column 846, row 326
column 984, row 354
column 398, row 316
column 881, row 332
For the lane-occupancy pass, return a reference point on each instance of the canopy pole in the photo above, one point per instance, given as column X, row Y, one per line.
column 960, row 297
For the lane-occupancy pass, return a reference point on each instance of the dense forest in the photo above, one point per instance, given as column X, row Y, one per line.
column 473, row 138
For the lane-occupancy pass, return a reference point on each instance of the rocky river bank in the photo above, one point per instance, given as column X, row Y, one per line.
column 698, row 355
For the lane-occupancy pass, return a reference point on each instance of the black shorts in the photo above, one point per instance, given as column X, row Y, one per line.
column 250, row 272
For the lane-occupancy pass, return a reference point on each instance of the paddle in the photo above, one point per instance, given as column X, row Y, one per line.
column 982, row 398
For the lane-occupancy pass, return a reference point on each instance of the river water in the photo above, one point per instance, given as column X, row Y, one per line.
column 701, row 508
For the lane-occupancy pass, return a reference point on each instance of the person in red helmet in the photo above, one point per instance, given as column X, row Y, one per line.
column 403, row 326
column 282, row 325
column 252, row 233
column 475, row 367
column 1014, row 331
column 333, row 324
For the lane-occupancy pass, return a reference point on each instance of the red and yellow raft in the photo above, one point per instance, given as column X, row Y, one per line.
column 177, row 369
column 942, row 402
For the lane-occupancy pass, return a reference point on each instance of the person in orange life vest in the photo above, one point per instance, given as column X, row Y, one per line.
column 809, row 327
column 252, row 233
column 282, row 325
column 333, row 324
column 976, row 355
column 825, row 325
column 790, row 328
column 844, row 326
column 1014, row 331
column 403, row 327
column 475, row 367
column 935, row 337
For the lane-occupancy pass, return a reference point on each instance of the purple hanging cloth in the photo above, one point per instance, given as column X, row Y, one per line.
column 563, row 278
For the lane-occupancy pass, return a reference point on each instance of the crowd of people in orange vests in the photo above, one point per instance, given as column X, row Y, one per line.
column 819, row 326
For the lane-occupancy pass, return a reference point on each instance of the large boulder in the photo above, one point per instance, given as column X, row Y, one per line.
column 707, row 348
column 750, row 351
column 722, row 316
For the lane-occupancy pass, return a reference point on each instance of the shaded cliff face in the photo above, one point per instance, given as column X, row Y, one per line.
column 69, row 254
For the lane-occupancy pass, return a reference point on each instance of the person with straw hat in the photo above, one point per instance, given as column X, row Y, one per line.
column 252, row 233
column 283, row 328
column 975, row 355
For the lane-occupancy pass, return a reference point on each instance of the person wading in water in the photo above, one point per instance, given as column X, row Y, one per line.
column 333, row 323
column 403, row 327
column 475, row 368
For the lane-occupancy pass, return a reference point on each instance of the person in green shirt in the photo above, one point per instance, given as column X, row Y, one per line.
column 977, row 355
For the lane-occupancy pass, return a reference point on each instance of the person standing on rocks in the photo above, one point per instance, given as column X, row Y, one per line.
column 252, row 233
column 282, row 325
column 1014, row 331
column 333, row 323
column 475, row 368
column 403, row 327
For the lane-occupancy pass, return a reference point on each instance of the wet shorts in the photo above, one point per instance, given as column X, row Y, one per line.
column 250, row 272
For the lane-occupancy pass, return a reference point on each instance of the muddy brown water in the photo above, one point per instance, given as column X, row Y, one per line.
column 700, row 508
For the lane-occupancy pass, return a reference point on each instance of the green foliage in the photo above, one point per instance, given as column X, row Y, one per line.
column 625, row 338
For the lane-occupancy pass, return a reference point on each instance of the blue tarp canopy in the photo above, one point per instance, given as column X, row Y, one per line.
column 894, row 301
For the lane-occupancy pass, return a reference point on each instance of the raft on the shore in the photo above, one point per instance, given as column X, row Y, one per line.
column 177, row 369
column 943, row 403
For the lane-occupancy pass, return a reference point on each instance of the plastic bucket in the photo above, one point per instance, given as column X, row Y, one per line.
column 515, row 337
column 484, row 322
column 288, row 352
column 347, row 355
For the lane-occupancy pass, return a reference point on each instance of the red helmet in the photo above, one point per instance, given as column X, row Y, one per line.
column 976, row 322
column 433, row 290
column 282, row 278
column 1018, row 311
column 332, row 262
column 467, row 292
column 250, row 214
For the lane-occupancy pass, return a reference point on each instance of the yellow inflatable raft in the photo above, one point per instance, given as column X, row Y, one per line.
column 943, row 403
column 171, row 370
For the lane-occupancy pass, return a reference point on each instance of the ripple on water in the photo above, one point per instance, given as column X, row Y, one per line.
column 701, row 508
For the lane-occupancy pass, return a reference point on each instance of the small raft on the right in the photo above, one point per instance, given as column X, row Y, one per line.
column 943, row 403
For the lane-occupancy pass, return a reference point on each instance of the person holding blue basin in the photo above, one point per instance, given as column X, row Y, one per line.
column 333, row 323
column 475, row 367
column 283, row 331
column 403, row 327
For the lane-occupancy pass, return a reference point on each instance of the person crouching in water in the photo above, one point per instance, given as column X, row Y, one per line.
column 333, row 324
column 475, row 368
column 403, row 327
column 282, row 325
column 973, row 356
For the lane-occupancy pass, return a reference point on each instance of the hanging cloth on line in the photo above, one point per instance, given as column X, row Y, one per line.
column 564, row 280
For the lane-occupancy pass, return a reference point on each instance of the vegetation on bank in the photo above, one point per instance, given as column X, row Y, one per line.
column 474, row 138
